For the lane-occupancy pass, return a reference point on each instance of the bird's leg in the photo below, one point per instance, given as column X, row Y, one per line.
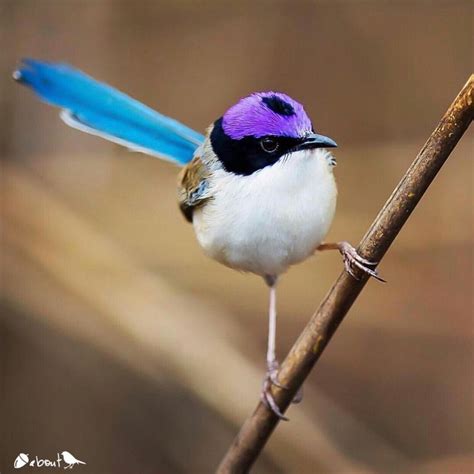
column 271, row 376
column 272, row 362
column 352, row 259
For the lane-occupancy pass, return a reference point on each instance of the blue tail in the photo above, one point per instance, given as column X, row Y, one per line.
column 99, row 109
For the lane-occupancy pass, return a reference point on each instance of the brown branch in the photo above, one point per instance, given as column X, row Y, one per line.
column 255, row 432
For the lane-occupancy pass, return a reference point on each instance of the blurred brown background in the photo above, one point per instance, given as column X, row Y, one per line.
column 121, row 343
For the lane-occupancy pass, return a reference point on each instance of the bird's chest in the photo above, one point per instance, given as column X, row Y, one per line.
column 265, row 222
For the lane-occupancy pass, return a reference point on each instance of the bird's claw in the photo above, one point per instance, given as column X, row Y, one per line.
column 298, row 398
column 272, row 374
column 271, row 378
column 353, row 259
column 268, row 400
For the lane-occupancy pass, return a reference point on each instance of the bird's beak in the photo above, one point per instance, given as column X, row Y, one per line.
column 314, row 140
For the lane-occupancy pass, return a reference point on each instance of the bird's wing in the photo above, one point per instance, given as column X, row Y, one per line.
column 193, row 187
column 70, row 459
column 99, row 109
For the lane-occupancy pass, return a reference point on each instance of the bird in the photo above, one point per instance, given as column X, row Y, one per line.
column 70, row 460
column 258, row 187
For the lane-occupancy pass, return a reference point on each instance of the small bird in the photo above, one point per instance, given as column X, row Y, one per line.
column 70, row 460
column 258, row 188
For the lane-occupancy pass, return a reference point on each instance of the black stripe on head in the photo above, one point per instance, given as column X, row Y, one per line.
column 245, row 156
column 278, row 105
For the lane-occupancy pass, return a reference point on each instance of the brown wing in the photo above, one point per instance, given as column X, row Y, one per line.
column 192, row 187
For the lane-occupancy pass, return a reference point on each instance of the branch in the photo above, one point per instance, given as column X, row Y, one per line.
column 255, row 432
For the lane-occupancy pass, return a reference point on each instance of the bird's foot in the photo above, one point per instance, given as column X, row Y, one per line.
column 271, row 378
column 353, row 259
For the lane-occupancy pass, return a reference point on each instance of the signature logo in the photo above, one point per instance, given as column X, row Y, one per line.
column 21, row 460
column 65, row 457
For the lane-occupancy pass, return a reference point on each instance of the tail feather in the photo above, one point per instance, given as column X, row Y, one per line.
column 99, row 109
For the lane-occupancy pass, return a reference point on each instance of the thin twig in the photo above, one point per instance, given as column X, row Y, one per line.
column 255, row 432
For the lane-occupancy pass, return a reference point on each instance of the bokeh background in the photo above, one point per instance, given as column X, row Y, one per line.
column 123, row 344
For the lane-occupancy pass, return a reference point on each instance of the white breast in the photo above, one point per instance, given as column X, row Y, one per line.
column 274, row 218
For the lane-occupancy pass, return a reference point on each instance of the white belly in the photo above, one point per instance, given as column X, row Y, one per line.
column 274, row 218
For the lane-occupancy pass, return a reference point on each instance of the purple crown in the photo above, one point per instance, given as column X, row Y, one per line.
column 266, row 113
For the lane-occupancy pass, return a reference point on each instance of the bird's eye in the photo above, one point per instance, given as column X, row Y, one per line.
column 269, row 144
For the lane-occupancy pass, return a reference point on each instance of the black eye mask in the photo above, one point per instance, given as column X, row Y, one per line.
column 250, row 154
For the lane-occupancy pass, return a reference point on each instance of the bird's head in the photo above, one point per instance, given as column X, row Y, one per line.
column 260, row 129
